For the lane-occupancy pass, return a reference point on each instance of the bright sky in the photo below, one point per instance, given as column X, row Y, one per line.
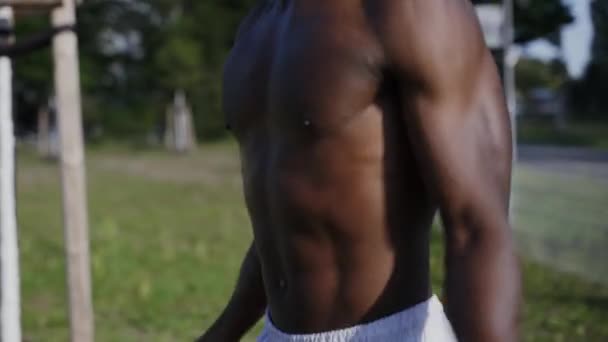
column 576, row 40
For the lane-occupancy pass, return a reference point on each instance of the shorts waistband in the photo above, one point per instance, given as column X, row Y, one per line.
column 410, row 322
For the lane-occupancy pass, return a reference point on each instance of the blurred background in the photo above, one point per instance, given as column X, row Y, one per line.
column 168, row 223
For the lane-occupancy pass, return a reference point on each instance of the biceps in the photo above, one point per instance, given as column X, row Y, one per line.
column 464, row 153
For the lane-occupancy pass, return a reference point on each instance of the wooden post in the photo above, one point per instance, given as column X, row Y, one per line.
column 11, row 312
column 67, row 86
column 180, row 125
column 169, row 136
column 181, row 122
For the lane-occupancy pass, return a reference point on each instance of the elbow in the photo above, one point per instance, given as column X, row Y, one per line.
column 470, row 230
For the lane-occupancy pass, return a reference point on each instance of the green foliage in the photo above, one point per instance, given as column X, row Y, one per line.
column 34, row 72
column 537, row 18
column 534, row 73
column 599, row 15
column 589, row 94
column 179, row 63
column 135, row 54
column 589, row 133
column 540, row 19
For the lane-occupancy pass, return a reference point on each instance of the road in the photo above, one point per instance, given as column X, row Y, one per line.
column 566, row 160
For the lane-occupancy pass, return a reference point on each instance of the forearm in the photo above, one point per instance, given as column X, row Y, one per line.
column 246, row 306
column 483, row 285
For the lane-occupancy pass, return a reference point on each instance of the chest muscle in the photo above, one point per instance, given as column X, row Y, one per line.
column 289, row 71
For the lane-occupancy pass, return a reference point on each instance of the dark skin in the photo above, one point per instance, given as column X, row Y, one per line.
column 357, row 122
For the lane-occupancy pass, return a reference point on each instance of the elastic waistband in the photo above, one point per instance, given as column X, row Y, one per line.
column 410, row 322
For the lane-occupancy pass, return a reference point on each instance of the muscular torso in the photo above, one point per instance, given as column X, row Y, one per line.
column 340, row 213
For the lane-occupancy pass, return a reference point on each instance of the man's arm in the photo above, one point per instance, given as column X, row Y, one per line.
column 30, row 44
column 246, row 306
column 458, row 123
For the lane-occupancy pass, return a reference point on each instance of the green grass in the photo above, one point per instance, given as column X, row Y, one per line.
column 590, row 133
column 168, row 234
column 562, row 220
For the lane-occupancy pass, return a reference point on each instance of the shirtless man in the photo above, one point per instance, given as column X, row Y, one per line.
column 357, row 121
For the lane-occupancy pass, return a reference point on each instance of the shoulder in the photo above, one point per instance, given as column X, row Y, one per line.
column 428, row 36
column 429, row 14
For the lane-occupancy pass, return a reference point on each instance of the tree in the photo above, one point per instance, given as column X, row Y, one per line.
column 540, row 19
column 33, row 76
column 133, row 56
column 533, row 74
column 589, row 95
column 200, row 76
column 537, row 18
column 599, row 16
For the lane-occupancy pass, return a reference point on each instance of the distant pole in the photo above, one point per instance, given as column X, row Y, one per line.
column 67, row 86
column 43, row 137
column 510, row 60
column 180, row 135
column 11, row 312
column 510, row 57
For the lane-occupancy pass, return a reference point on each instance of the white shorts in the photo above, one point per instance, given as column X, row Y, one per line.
column 421, row 323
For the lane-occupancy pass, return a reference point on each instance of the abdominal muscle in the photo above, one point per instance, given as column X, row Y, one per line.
column 341, row 226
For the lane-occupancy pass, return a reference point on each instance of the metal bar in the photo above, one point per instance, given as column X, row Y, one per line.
column 30, row 4
column 9, row 249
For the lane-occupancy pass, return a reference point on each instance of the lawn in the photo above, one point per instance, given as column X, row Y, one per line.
column 583, row 133
column 562, row 220
column 168, row 234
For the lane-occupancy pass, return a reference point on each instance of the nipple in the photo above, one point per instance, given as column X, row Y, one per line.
column 307, row 123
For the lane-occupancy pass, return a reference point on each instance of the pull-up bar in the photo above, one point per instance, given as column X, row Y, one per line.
column 30, row 4
column 34, row 42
